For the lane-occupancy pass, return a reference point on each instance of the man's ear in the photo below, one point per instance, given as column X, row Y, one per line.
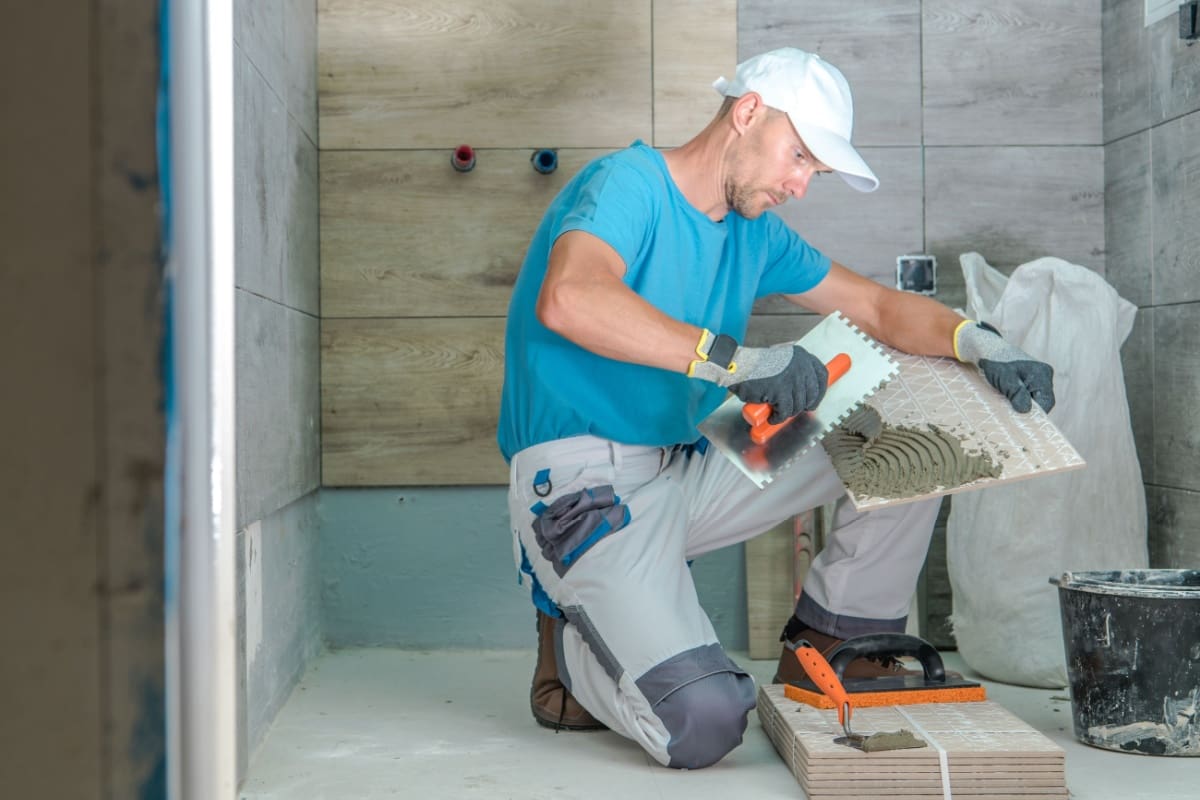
column 746, row 111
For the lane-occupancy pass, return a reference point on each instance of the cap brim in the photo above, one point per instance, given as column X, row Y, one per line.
column 838, row 154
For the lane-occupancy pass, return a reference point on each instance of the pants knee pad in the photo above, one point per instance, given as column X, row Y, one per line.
column 706, row 718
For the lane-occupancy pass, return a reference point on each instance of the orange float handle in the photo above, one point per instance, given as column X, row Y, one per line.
column 757, row 414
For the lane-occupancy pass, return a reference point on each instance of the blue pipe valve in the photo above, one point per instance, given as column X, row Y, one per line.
column 545, row 160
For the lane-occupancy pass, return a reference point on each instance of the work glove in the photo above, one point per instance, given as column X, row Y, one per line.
column 1015, row 374
column 786, row 376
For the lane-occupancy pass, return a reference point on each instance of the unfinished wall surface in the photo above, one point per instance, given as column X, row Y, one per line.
column 1152, row 180
column 81, row 468
column 278, row 394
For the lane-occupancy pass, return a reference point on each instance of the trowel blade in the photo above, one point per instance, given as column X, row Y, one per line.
column 870, row 369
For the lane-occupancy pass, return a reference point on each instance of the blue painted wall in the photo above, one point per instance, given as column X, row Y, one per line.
column 429, row 568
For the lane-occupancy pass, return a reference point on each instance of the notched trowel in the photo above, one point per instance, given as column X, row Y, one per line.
column 858, row 368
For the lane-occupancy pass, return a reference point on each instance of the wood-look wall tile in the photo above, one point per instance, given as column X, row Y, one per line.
column 1174, row 72
column 490, row 73
column 769, row 329
column 404, row 234
column 1174, row 518
column 1137, row 364
column 411, row 402
column 1012, row 205
column 278, row 406
column 1128, row 194
column 877, row 46
column 1176, row 162
column 694, row 44
column 864, row 231
column 260, row 154
column 1176, row 386
column 1126, row 65
column 1020, row 72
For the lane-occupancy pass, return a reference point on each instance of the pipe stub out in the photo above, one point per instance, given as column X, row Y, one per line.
column 463, row 158
column 544, row 161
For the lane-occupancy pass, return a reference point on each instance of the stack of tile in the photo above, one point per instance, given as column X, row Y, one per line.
column 975, row 750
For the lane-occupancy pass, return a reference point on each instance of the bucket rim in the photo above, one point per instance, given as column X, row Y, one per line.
column 1110, row 582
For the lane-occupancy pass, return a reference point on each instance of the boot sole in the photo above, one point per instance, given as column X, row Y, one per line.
column 553, row 724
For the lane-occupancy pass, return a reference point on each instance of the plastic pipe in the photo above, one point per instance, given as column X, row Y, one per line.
column 463, row 158
column 545, row 161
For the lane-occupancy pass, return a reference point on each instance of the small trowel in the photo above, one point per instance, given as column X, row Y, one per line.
column 823, row 675
column 857, row 369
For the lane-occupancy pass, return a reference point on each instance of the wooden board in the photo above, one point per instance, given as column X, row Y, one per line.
column 695, row 42
column 405, row 235
column 956, row 397
column 988, row 752
column 411, row 402
column 769, row 600
column 489, row 73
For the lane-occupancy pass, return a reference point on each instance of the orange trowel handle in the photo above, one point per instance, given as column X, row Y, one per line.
column 820, row 673
column 757, row 414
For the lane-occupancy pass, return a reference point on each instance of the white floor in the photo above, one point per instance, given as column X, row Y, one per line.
column 379, row 723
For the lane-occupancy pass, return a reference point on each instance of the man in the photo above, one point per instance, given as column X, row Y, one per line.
column 623, row 334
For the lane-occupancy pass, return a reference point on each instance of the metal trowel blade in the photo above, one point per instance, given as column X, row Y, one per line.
column 870, row 369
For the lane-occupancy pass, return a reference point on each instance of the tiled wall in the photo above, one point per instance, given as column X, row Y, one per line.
column 278, row 401
column 981, row 118
column 1152, row 221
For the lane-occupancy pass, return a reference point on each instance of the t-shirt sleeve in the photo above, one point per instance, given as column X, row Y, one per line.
column 793, row 265
column 614, row 204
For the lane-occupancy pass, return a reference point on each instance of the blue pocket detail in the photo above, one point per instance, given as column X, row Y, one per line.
column 603, row 530
column 540, row 599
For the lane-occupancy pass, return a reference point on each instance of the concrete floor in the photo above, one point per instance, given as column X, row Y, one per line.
column 378, row 723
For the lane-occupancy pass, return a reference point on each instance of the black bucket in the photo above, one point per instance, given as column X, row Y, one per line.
column 1133, row 658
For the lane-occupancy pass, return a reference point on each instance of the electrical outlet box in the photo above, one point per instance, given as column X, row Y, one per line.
column 917, row 273
column 1189, row 21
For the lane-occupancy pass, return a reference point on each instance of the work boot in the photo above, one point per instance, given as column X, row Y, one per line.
column 551, row 703
column 790, row 671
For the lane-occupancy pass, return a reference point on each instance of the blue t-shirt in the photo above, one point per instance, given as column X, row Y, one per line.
column 693, row 269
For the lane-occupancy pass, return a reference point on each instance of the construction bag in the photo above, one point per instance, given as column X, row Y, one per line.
column 1005, row 543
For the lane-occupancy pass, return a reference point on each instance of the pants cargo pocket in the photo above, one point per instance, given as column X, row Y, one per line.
column 575, row 522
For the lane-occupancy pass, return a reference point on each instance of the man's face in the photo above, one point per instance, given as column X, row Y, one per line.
column 770, row 165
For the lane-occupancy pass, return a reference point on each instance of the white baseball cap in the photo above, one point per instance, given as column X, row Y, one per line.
column 816, row 98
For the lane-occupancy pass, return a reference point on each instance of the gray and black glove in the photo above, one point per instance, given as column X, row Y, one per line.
column 786, row 376
column 1015, row 374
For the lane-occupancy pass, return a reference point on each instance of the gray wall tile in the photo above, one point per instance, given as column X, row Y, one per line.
column 1176, row 149
column 1018, row 72
column 865, row 231
column 258, row 27
column 300, row 43
column 1137, row 363
column 876, row 45
column 1126, row 57
column 1129, row 259
column 283, row 554
column 1012, row 205
column 1176, row 386
column 260, row 154
column 301, row 268
column 1174, row 72
column 278, row 406
column 1174, row 519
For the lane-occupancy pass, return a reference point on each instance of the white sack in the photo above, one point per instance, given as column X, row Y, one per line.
column 1005, row 543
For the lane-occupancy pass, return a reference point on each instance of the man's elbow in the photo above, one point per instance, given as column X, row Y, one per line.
column 553, row 308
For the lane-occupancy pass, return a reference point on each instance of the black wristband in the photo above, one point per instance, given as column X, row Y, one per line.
column 722, row 350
